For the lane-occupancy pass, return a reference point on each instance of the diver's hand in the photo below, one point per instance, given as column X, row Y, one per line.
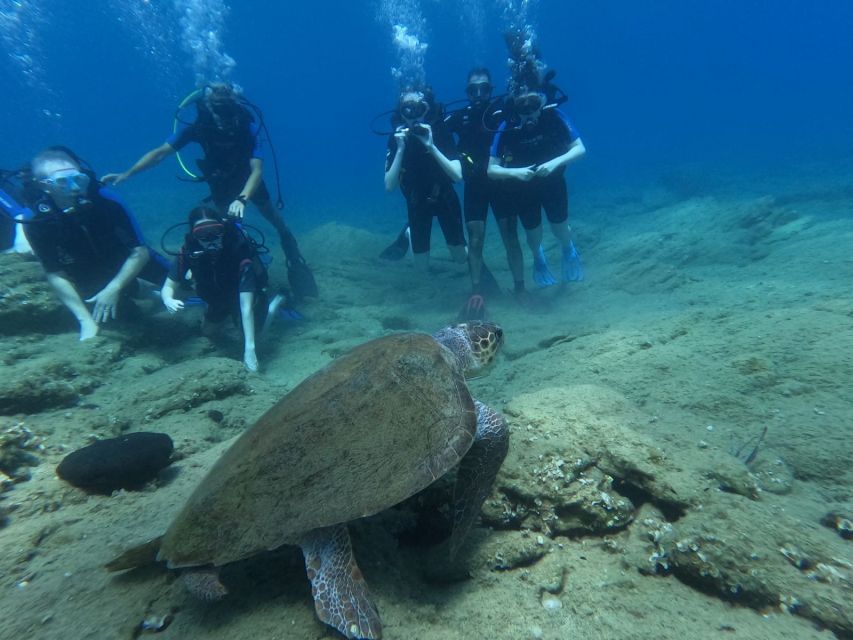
column 237, row 208
column 525, row 174
column 106, row 303
column 425, row 138
column 546, row 169
column 173, row 305
column 400, row 136
column 114, row 178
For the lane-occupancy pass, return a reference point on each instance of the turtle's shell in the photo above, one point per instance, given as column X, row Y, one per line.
column 371, row 429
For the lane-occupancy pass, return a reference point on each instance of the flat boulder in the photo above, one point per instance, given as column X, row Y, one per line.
column 126, row 462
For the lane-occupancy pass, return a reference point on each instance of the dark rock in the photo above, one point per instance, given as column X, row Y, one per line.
column 127, row 462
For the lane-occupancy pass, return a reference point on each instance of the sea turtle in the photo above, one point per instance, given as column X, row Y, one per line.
column 374, row 427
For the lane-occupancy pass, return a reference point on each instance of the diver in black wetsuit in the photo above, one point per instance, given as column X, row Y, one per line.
column 87, row 241
column 229, row 135
column 423, row 162
column 530, row 152
column 227, row 273
column 474, row 133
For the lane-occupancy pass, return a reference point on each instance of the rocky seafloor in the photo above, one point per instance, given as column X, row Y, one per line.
column 679, row 459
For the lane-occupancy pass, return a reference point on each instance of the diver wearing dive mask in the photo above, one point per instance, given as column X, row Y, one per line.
column 93, row 256
column 67, row 187
column 233, row 166
column 413, row 108
column 425, row 170
column 529, row 155
column 479, row 92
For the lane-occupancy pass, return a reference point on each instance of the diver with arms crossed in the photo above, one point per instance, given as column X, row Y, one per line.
column 529, row 154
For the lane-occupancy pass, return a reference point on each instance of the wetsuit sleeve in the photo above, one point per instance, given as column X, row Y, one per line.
column 258, row 149
column 568, row 132
column 183, row 136
column 124, row 224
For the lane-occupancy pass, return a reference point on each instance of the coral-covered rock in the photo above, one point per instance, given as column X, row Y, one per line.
column 17, row 452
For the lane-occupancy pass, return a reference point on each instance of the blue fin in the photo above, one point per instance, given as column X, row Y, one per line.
column 542, row 275
column 573, row 270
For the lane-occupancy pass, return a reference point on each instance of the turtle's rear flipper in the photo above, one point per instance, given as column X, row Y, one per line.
column 204, row 584
column 477, row 472
column 139, row 556
column 341, row 597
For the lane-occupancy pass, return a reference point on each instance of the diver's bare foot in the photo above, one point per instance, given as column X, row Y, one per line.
column 88, row 330
column 250, row 361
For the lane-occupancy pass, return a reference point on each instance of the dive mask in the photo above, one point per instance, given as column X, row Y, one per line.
column 528, row 104
column 65, row 183
column 412, row 110
column 209, row 235
column 66, row 187
column 479, row 91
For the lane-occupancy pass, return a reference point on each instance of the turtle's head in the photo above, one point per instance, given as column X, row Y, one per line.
column 475, row 344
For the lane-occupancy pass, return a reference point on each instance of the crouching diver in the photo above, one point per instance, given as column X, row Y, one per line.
column 225, row 268
column 230, row 137
column 87, row 241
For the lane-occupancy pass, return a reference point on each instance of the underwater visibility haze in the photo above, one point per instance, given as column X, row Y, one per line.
column 679, row 407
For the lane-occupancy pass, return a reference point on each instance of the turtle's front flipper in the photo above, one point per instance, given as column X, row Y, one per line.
column 340, row 593
column 477, row 472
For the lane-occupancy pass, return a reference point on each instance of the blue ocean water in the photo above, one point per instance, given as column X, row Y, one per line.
column 746, row 87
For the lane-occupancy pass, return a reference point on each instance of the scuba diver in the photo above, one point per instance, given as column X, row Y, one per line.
column 87, row 241
column 224, row 265
column 474, row 130
column 229, row 135
column 529, row 154
column 423, row 162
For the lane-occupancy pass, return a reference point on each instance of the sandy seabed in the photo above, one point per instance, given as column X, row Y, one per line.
column 626, row 508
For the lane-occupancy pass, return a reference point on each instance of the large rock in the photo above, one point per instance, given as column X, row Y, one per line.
column 575, row 467
column 126, row 462
column 578, row 465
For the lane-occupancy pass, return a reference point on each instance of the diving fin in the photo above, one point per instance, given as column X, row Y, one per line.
column 488, row 283
column 398, row 249
column 474, row 309
column 573, row 270
column 301, row 279
column 299, row 276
